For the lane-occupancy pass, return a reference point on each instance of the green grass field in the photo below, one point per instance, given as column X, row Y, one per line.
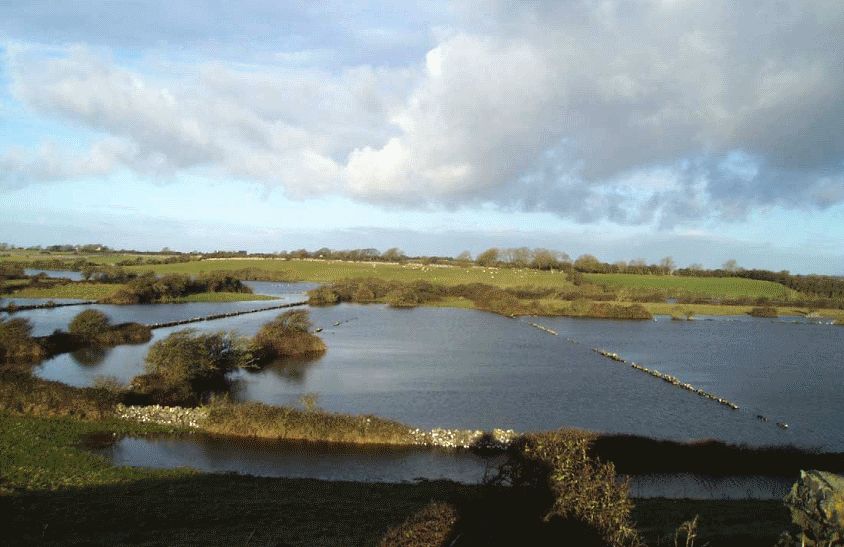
column 44, row 454
column 328, row 270
column 84, row 291
column 726, row 287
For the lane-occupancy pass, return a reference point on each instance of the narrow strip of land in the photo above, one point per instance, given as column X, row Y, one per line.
column 45, row 305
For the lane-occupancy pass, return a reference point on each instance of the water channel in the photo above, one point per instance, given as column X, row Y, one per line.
column 393, row 464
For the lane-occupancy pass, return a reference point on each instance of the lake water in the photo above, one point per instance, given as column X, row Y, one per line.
column 65, row 274
column 785, row 371
column 288, row 291
column 440, row 367
column 392, row 464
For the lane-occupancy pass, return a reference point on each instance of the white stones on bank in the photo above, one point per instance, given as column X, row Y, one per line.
column 196, row 418
column 497, row 439
column 178, row 416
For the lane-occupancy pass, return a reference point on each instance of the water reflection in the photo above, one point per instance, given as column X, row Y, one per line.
column 90, row 356
column 283, row 290
column 292, row 369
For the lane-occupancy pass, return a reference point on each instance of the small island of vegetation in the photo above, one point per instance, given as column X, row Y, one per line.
column 189, row 366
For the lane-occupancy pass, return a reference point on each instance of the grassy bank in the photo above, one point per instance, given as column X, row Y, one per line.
column 80, row 289
column 221, row 297
column 40, row 453
column 55, row 492
column 571, row 302
column 678, row 311
column 23, row 393
column 509, row 302
column 273, row 422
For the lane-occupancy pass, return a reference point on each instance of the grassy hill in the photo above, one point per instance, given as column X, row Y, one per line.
column 332, row 270
column 725, row 287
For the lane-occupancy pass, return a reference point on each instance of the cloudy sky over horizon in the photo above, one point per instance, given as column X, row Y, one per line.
column 704, row 130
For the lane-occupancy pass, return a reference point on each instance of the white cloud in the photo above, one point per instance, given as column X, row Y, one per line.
column 639, row 112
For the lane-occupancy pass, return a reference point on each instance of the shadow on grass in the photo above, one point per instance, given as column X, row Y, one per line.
column 240, row 510
column 633, row 455
column 243, row 510
column 215, row 510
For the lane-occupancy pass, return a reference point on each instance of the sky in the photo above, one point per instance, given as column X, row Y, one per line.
column 704, row 130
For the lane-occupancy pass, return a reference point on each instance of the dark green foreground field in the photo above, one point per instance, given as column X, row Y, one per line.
column 53, row 491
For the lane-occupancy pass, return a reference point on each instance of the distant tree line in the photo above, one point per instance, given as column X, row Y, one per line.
column 89, row 248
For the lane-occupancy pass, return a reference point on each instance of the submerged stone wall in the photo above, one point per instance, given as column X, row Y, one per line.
column 673, row 380
column 223, row 315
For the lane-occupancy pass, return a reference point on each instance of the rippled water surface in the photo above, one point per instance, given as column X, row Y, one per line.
column 437, row 367
column 392, row 464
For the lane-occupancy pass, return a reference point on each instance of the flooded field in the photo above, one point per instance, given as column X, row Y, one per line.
column 440, row 367
column 46, row 320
